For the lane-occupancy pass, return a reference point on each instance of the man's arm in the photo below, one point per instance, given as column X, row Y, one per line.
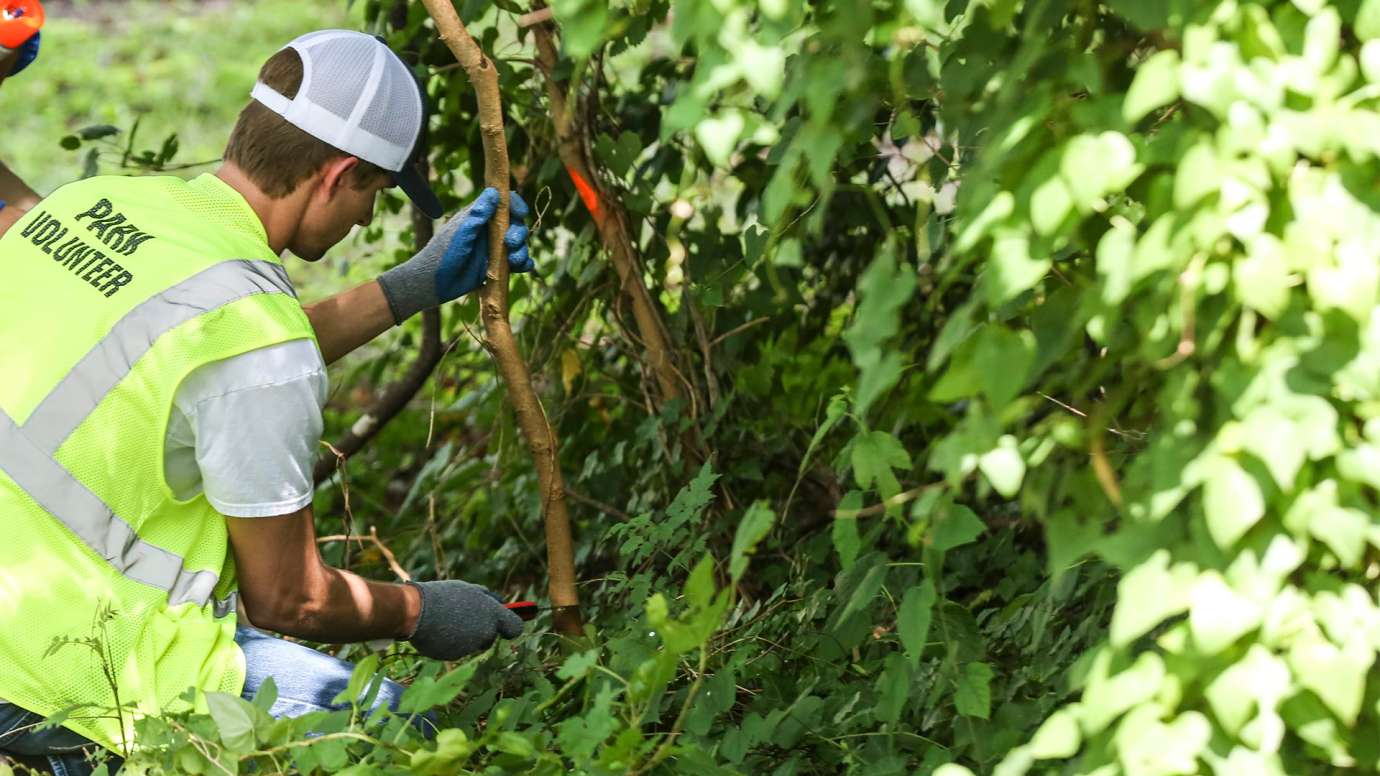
column 16, row 195
column 451, row 265
column 286, row 587
column 348, row 319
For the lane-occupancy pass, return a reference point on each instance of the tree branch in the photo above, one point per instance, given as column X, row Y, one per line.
column 541, row 440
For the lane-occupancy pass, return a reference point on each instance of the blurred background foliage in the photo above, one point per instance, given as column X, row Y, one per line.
column 1064, row 469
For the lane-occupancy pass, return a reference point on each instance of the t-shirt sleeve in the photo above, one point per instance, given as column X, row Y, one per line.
column 257, row 423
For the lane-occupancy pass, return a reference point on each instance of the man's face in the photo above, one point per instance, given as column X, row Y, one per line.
column 334, row 210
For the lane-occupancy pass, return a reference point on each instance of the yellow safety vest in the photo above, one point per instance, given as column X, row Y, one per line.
column 114, row 289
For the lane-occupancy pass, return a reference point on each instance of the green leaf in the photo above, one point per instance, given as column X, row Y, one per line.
column 1232, row 501
column 893, row 688
column 973, row 697
column 1050, row 204
column 1149, row 593
column 578, row 664
column 955, row 526
column 1218, row 615
column 913, row 619
column 515, row 744
column 427, row 692
column 847, row 540
column 866, row 590
column 699, row 587
column 1156, row 84
column 1057, row 738
column 718, row 135
column 1260, row 678
column 1094, row 166
column 874, row 455
column 1270, row 435
column 1367, row 24
column 97, row 131
column 1343, row 530
column 233, row 719
column 1012, row 271
column 1337, row 676
column 583, row 24
column 1262, row 278
column 1003, row 359
column 1107, row 697
column 1003, row 466
column 756, row 522
column 452, row 748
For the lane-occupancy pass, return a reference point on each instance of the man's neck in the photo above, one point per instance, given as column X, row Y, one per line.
column 279, row 216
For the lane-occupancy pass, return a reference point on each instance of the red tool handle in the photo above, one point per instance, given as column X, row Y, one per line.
column 527, row 610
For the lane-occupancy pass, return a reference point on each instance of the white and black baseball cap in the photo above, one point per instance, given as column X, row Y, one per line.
column 360, row 97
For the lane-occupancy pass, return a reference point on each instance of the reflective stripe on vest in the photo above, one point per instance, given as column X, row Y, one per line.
column 101, row 369
column 26, row 454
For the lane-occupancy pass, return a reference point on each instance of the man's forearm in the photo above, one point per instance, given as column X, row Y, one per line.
column 350, row 608
column 17, row 195
column 349, row 319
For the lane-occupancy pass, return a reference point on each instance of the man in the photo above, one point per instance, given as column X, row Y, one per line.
column 161, row 411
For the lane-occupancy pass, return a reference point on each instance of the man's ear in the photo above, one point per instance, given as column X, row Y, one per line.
column 336, row 175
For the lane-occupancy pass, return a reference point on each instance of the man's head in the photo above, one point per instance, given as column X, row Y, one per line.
column 336, row 117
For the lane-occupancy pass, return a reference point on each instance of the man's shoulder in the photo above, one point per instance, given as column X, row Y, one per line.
column 294, row 363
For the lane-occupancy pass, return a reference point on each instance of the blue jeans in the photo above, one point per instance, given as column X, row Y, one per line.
column 307, row 680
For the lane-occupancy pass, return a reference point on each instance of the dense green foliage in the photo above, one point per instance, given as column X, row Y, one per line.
column 1072, row 474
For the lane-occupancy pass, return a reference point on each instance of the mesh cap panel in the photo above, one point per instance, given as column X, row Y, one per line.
column 393, row 98
column 332, row 58
column 356, row 94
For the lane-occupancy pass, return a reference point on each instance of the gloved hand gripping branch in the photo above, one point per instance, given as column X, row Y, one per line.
column 458, row 619
column 453, row 263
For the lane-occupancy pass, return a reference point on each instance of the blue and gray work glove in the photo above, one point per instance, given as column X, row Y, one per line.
column 459, row 619
column 452, row 264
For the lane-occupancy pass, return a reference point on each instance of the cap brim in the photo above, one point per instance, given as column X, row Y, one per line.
column 417, row 190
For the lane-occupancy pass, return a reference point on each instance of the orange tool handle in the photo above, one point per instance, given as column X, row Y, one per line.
column 19, row 20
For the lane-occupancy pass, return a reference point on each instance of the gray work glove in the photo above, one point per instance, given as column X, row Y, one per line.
column 459, row 619
column 453, row 262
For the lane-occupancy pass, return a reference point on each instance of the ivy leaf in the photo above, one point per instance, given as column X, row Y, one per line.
column 973, row 698
column 1050, row 204
column 1262, row 278
column 1156, row 84
column 1149, row 593
column 1337, row 676
column 718, row 135
column 1012, row 271
column 1057, row 738
column 1219, row 615
column 1367, row 24
column 913, row 619
column 1232, row 501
